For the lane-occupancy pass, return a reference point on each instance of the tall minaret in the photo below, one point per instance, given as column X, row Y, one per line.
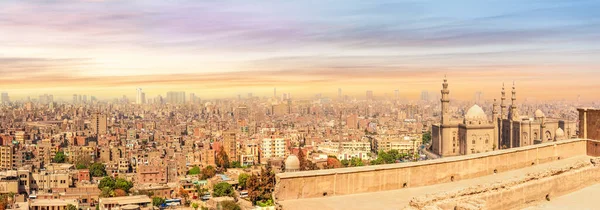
column 513, row 104
column 502, row 104
column 496, row 121
column 445, row 102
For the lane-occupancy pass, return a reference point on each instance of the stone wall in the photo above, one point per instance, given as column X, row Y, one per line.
column 515, row 193
column 344, row 181
column 589, row 123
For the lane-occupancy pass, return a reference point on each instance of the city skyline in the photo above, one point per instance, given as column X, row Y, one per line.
column 216, row 49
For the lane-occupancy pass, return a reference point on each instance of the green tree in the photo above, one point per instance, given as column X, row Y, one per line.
column 123, row 184
column 356, row 162
column 345, row 163
column 106, row 192
column 157, row 201
column 427, row 137
column 81, row 166
column 194, row 171
column 235, row 164
column 223, row 189
column 208, row 172
column 71, row 207
column 98, row 170
column 242, row 178
column 107, row 182
column 195, row 206
column 59, row 157
column 229, row 205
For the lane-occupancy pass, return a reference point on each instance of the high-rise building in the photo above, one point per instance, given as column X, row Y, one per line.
column 75, row 99
column 176, row 97
column 98, row 123
column 138, row 96
column 84, row 99
column 229, row 145
column 369, row 95
column 272, row 148
column 396, row 94
column 424, row 95
column 478, row 97
column 339, row 93
column 4, row 98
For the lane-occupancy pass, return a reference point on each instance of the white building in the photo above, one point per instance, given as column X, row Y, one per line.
column 272, row 148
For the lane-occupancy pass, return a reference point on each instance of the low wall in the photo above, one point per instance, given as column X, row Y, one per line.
column 344, row 181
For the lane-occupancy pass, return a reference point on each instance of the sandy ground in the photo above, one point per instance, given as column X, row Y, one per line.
column 583, row 199
column 398, row 199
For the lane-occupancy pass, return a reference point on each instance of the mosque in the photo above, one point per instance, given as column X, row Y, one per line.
column 476, row 133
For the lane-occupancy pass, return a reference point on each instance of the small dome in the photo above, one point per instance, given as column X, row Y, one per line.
column 292, row 163
column 559, row 132
column 539, row 114
column 475, row 112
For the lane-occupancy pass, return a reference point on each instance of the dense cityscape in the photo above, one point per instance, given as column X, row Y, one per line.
column 179, row 150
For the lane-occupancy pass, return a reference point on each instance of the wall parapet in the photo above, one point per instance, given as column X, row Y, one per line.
column 344, row 181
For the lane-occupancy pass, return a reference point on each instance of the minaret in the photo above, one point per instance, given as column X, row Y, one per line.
column 502, row 104
column 513, row 104
column 495, row 121
column 445, row 102
column 495, row 110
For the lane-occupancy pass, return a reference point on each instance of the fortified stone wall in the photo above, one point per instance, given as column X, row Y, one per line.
column 344, row 181
column 589, row 123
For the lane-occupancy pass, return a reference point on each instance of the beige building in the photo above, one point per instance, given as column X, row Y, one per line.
column 126, row 202
column 272, row 148
column 477, row 133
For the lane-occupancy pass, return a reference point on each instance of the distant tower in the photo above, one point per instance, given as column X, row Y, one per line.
column 445, row 102
column 339, row 93
column 138, row 96
column 274, row 92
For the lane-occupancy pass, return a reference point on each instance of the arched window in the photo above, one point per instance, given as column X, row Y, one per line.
column 548, row 135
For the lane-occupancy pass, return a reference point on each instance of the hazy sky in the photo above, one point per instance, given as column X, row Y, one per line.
column 224, row 48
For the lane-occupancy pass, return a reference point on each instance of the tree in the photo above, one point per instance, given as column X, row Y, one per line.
column 302, row 159
column 184, row 193
column 208, row 172
column 346, row 163
column 223, row 189
column 254, row 188
column 123, row 184
column 356, row 162
column 98, row 170
column 107, row 182
column 236, row 164
column 222, row 159
column 71, row 207
column 106, row 192
column 229, row 205
column 333, row 163
column 242, row 179
column 201, row 190
column 120, row 193
column 59, row 157
column 427, row 137
column 157, row 201
column 195, row 206
column 83, row 161
column 195, row 170
column 81, row 166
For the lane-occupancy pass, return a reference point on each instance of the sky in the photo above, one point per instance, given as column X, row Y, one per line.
column 550, row 48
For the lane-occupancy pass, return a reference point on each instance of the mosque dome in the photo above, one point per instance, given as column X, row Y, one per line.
column 292, row 163
column 559, row 132
column 539, row 114
column 475, row 112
